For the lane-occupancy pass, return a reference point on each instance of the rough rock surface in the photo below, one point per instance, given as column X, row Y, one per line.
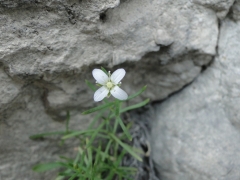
column 18, row 154
column 54, row 45
column 49, row 47
column 236, row 10
column 221, row 7
column 197, row 132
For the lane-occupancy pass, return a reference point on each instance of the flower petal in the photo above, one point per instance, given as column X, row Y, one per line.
column 101, row 93
column 100, row 76
column 117, row 75
column 118, row 93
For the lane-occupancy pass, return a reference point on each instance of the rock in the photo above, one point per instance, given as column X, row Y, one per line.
column 49, row 47
column 9, row 89
column 54, row 45
column 196, row 135
column 236, row 10
column 221, row 7
column 18, row 154
column 10, row 93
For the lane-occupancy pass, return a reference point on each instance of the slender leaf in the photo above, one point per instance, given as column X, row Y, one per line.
column 89, row 151
column 115, row 126
column 65, row 158
column 59, row 177
column 97, row 156
column 48, row 166
column 111, row 173
column 90, row 85
column 83, row 157
column 125, row 130
column 77, row 133
column 118, row 107
column 135, row 106
column 67, row 121
column 137, row 93
column 38, row 136
column 116, row 147
column 105, row 154
column 96, row 118
column 104, row 70
column 119, row 159
column 73, row 177
column 95, row 133
column 66, row 174
column 126, row 147
column 76, row 159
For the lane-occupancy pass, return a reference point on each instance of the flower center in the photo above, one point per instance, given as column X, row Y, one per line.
column 109, row 85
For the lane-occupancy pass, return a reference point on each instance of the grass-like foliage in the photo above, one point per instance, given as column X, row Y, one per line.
column 101, row 146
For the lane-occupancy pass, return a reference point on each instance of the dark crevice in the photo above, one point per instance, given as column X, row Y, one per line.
column 205, row 66
column 103, row 17
column 71, row 15
column 219, row 31
column 172, row 94
column 140, row 131
column 231, row 15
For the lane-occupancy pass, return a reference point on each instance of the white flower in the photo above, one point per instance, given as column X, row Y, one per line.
column 110, row 84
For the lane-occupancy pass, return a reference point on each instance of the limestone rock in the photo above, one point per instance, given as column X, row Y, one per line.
column 196, row 135
column 221, row 7
column 236, row 10
column 54, row 45
column 10, row 92
column 18, row 154
column 49, row 47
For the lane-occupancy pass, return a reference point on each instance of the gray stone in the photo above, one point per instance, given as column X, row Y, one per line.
column 196, row 135
column 18, row 154
column 49, row 47
column 9, row 90
column 10, row 94
column 236, row 10
column 221, row 7
column 54, row 44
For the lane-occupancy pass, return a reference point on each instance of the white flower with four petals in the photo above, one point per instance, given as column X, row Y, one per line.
column 110, row 84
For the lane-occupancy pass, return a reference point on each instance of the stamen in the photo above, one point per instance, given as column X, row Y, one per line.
column 109, row 85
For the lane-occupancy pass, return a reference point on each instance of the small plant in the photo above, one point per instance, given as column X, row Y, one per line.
column 106, row 141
